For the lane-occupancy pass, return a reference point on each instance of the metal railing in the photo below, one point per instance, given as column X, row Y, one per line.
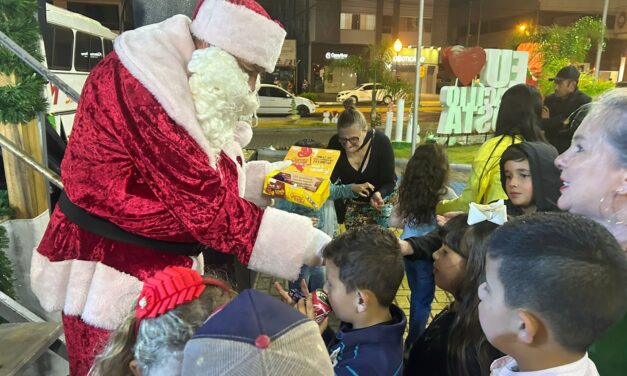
column 50, row 175
column 11, row 310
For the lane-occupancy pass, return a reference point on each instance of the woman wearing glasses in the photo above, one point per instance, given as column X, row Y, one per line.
column 366, row 157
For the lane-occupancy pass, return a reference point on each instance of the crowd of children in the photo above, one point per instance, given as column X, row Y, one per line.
column 511, row 315
column 533, row 287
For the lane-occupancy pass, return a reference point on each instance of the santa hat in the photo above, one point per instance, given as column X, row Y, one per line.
column 240, row 27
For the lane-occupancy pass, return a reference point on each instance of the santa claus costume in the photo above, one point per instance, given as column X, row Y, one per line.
column 156, row 155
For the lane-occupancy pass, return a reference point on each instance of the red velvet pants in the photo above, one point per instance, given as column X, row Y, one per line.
column 83, row 343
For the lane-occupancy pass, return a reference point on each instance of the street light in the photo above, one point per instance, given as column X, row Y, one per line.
column 398, row 46
column 522, row 27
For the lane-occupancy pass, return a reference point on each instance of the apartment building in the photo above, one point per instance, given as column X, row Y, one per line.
column 492, row 23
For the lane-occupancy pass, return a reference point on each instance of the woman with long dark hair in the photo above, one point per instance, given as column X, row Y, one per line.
column 518, row 120
column 366, row 157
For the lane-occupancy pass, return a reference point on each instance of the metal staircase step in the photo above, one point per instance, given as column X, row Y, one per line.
column 24, row 343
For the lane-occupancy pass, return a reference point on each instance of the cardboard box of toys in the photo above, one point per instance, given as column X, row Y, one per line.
column 307, row 180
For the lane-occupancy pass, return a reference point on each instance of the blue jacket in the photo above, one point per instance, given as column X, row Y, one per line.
column 376, row 350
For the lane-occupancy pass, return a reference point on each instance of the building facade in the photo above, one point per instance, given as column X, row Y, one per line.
column 493, row 23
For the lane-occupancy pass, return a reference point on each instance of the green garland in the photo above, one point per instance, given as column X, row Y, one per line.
column 6, row 271
column 20, row 103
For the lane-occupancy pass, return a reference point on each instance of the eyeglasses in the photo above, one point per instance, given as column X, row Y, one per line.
column 352, row 140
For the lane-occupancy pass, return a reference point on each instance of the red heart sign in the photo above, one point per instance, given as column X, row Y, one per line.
column 466, row 63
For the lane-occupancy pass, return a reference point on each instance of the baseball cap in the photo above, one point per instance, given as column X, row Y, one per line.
column 567, row 73
column 256, row 334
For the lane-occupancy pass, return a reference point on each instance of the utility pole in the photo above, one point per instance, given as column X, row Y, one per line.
column 415, row 127
column 597, row 64
column 479, row 23
column 468, row 26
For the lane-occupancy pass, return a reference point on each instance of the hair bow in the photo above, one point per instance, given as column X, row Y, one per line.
column 495, row 212
column 169, row 288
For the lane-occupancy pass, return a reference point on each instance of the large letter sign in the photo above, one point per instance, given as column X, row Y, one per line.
column 473, row 109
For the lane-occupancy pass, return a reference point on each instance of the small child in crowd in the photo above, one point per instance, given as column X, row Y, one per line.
column 364, row 270
column 530, row 178
column 453, row 344
column 324, row 218
column 151, row 339
column 422, row 186
column 554, row 283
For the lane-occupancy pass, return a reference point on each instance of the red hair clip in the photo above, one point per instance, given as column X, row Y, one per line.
column 169, row 288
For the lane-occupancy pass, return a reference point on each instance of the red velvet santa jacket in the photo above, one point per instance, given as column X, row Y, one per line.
column 137, row 157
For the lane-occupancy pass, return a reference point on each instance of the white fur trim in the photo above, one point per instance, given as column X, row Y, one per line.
column 255, row 175
column 111, row 297
column 44, row 278
column 100, row 294
column 157, row 56
column 242, row 32
column 280, row 244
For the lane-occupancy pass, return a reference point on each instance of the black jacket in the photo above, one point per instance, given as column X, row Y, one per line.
column 429, row 355
column 560, row 109
column 545, row 177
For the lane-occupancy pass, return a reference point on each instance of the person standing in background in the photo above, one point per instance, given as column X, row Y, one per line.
column 559, row 106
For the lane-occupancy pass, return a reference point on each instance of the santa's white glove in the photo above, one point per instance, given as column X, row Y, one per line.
column 313, row 250
column 280, row 165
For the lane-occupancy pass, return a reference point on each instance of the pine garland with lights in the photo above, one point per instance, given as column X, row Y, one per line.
column 6, row 272
column 20, row 103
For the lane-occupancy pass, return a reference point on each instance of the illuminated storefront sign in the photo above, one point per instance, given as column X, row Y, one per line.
column 335, row 55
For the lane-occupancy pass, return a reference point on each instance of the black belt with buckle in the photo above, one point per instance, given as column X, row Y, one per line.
column 102, row 227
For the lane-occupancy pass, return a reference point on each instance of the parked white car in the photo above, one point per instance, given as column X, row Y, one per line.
column 275, row 100
column 363, row 94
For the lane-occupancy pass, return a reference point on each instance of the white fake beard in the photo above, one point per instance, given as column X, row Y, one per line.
column 221, row 95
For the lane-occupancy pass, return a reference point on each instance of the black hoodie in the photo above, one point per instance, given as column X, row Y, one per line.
column 545, row 177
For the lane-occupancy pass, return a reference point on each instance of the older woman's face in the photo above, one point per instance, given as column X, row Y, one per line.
column 351, row 137
column 591, row 174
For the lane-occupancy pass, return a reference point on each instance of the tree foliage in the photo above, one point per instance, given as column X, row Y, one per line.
column 375, row 65
column 565, row 45
column 21, row 102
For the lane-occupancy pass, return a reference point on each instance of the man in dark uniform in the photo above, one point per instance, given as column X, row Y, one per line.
column 558, row 107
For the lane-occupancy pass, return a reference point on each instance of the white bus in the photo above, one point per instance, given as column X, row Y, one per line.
column 72, row 44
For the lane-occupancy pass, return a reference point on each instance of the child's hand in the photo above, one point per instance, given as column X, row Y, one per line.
column 363, row 189
column 442, row 219
column 377, row 201
column 305, row 306
column 286, row 297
